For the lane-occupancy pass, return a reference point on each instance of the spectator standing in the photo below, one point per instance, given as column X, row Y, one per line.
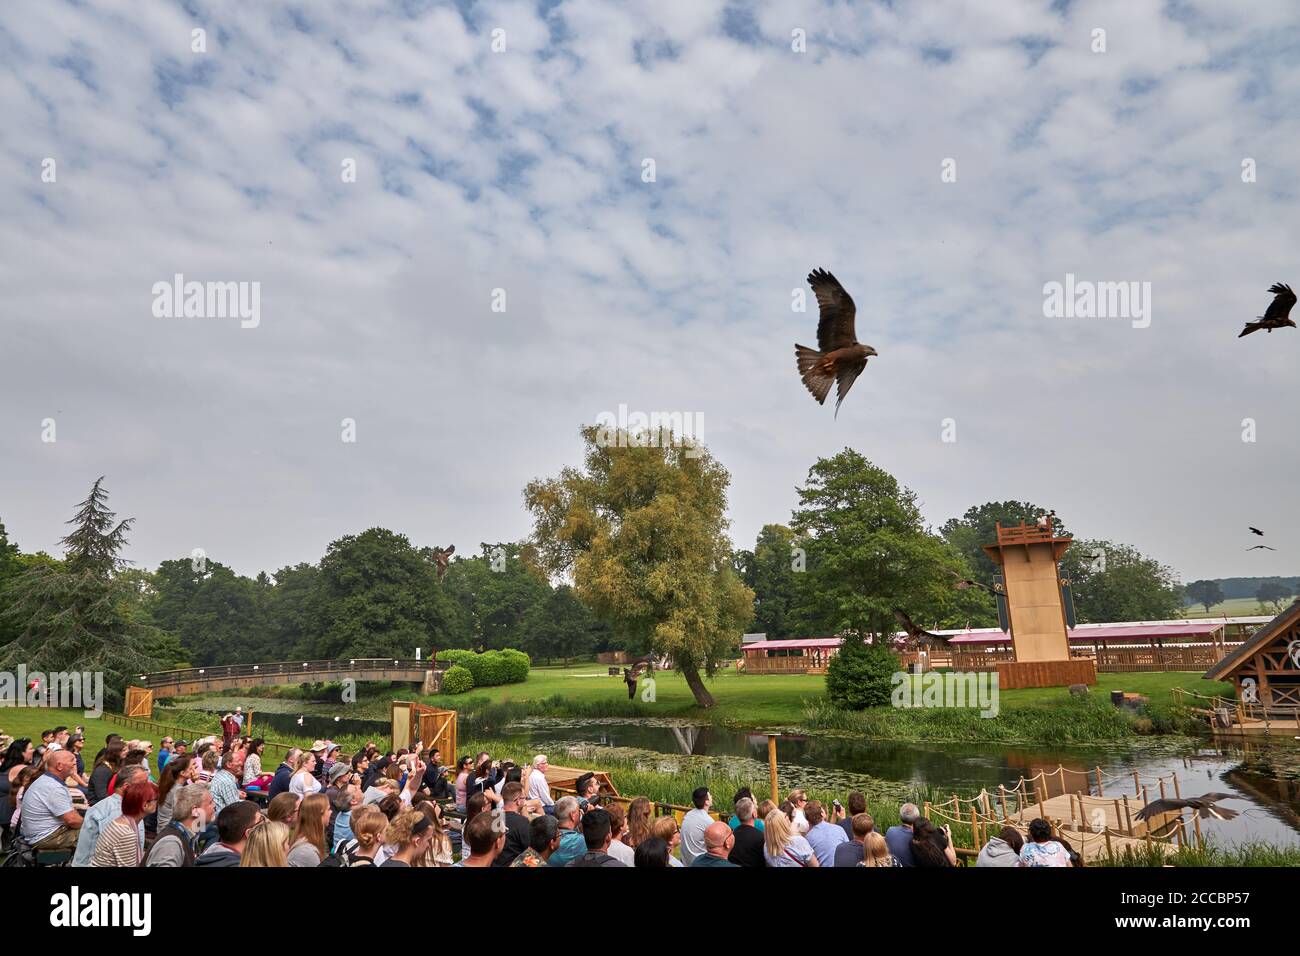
column 694, row 824
column 782, row 845
column 851, row 852
column 718, row 843
column 823, row 836
column 899, row 837
column 1040, row 849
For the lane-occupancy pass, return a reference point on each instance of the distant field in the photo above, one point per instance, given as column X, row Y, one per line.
column 1233, row 607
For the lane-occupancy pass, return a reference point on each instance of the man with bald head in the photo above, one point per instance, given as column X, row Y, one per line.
column 718, row 841
column 48, row 821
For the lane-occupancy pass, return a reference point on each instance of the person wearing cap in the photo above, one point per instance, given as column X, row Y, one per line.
column 331, row 757
column 238, row 718
column 164, row 752
column 318, row 748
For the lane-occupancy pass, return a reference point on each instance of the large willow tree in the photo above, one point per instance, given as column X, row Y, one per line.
column 641, row 531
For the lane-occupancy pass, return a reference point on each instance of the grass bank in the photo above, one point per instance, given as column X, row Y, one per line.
column 798, row 701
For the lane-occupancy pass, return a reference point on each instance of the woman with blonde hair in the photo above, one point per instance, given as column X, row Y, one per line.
column 798, row 800
column 638, row 822
column 368, row 825
column 666, row 829
column 875, row 851
column 782, row 846
column 409, row 836
column 265, row 845
column 439, row 852
column 307, row 845
column 304, row 782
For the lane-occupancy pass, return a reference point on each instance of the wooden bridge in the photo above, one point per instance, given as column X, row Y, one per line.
column 1098, row 825
column 200, row 680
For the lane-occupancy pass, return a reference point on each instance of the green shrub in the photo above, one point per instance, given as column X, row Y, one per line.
column 860, row 675
column 457, row 680
column 517, row 665
column 491, row 667
column 454, row 656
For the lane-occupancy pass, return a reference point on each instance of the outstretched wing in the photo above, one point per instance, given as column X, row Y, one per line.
column 845, row 379
column 835, row 327
column 1157, row 807
column 1279, row 308
column 918, row 634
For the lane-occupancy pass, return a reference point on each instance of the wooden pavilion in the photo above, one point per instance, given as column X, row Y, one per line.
column 1266, row 672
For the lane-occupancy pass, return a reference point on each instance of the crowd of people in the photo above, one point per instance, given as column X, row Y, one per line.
column 219, row 806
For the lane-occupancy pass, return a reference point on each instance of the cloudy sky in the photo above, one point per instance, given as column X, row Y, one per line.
column 501, row 145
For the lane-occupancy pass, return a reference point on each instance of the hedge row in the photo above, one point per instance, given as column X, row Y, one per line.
column 484, row 670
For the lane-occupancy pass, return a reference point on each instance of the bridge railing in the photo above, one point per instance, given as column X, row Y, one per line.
column 283, row 669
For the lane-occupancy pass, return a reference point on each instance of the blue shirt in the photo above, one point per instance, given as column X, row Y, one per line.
column 735, row 822
column 163, row 757
column 97, row 818
column 707, row 859
column 824, row 838
column 572, row 846
column 899, row 841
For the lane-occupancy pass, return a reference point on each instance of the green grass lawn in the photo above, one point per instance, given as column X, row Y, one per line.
column 1233, row 607
column 759, row 701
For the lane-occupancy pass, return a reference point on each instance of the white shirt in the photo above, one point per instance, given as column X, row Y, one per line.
column 800, row 822
column 303, row 785
column 539, row 789
column 693, row 826
column 622, row 852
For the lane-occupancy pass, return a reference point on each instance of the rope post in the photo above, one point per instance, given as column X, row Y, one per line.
column 1162, row 788
column 1100, row 792
column 1110, row 850
column 975, row 828
column 1177, row 790
column 1128, row 817
column 926, row 811
column 771, row 766
column 1137, row 785
column 1119, row 819
column 1196, row 822
column 1002, row 796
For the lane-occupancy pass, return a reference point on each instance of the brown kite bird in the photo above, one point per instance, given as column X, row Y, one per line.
column 841, row 357
column 1278, row 313
column 440, row 558
column 1203, row 805
column 919, row 635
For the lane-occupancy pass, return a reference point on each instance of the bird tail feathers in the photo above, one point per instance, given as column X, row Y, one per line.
column 1251, row 327
column 817, row 380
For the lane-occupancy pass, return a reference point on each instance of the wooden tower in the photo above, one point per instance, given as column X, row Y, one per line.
column 1028, row 556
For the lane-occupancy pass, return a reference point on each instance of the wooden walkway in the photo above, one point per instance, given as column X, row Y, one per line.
column 1097, row 824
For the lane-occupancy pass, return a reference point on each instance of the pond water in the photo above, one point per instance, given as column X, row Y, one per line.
column 1263, row 778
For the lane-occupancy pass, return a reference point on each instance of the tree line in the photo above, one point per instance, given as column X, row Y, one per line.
column 628, row 551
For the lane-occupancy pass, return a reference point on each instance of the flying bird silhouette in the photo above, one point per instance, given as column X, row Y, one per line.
column 1264, row 546
column 1257, row 531
column 963, row 584
column 918, row 634
column 1204, row 805
column 1278, row 313
column 841, row 357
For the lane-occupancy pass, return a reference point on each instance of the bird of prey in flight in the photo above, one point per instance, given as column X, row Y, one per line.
column 963, row 584
column 1264, row 546
column 919, row 635
column 1278, row 313
column 440, row 557
column 1204, row 805
column 839, row 356
column 1256, row 531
